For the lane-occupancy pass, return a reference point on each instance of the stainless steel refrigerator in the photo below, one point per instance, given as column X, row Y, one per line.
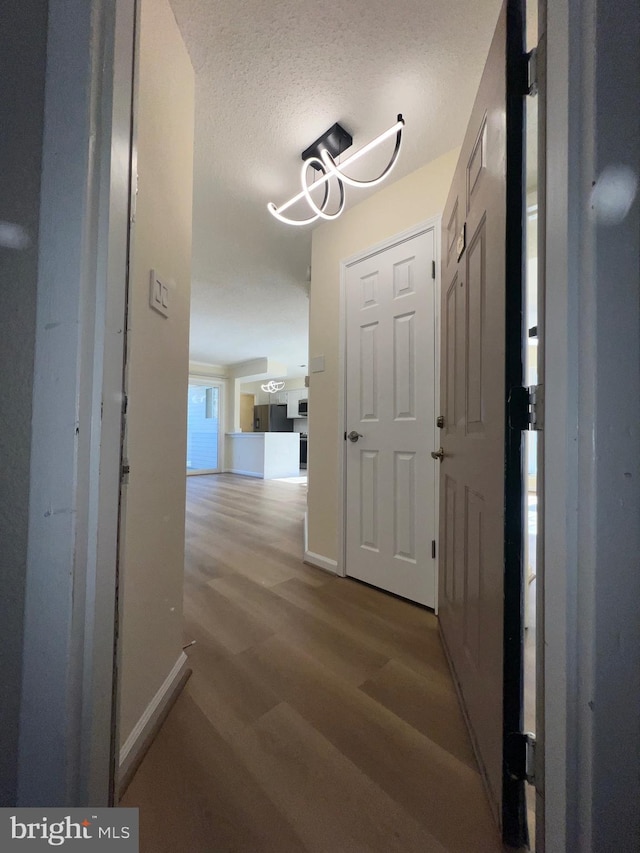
column 271, row 417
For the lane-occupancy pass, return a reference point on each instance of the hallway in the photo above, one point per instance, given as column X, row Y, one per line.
column 320, row 715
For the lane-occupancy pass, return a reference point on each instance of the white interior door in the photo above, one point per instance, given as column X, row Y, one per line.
column 481, row 603
column 391, row 506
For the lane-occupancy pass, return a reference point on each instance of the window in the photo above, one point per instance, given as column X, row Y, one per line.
column 203, row 429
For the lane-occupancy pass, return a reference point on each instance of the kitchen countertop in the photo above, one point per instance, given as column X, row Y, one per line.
column 268, row 455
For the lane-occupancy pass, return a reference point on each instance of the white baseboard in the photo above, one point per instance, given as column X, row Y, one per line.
column 320, row 562
column 129, row 752
column 317, row 560
column 244, row 473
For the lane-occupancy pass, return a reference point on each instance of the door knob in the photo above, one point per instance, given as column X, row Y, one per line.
column 438, row 454
column 354, row 436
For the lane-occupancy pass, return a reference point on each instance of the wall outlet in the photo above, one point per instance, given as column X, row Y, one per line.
column 158, row 294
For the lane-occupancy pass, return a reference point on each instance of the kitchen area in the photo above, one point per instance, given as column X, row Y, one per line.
column 273, row 438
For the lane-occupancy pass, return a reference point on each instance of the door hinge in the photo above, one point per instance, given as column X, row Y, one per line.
column 433, row 549
column 125, row 468
column 532, row 72
column 433, row 269
column 536, row 402
column 520, row 756
column 526, row 408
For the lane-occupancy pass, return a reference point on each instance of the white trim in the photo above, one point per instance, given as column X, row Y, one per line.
column 432, row 224
column 133, row 200
column 244, row 473
column 66, row 742
column 591, row 449
column 321, row 562
column 130, row 749
column 559, row 456
column 437, row 291
column 341, row 563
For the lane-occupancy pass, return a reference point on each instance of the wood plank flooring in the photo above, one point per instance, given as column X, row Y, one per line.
column 320, row 715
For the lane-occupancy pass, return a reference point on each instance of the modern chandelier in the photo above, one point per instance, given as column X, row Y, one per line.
column 321, row 156
column 272, row 387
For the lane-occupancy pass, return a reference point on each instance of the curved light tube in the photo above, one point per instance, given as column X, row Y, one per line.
column 319, row 210
column 277, row 212
column 272, row 386
column 330, row 170
column 274, row 211
column 336, row 170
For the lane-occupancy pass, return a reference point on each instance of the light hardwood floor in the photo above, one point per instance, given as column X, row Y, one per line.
column 320, row 715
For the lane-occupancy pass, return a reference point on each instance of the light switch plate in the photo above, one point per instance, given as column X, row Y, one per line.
column 158, row 294
column 317, row 364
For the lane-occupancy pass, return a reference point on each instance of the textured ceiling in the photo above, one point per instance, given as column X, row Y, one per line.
column 270, row 78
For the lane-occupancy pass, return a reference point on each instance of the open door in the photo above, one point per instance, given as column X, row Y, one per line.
column 481, row 465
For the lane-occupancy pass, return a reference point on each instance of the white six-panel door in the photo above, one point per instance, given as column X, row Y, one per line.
column 390, row 392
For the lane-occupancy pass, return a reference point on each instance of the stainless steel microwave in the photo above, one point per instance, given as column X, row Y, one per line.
column 303, row 409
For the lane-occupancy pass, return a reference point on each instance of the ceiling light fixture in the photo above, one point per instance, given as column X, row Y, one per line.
column 272, row 387
column 321, row 157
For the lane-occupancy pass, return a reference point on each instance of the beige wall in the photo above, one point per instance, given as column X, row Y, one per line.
column 395, row 208
column 158, row 366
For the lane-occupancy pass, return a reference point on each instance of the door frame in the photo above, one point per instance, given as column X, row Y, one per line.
column 67, row 742
column 432, row 224
column 591, row 484
column 513, row 807
column 218, row 383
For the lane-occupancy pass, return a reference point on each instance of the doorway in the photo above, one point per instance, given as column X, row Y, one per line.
column 247, row 404
column 204, row 436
